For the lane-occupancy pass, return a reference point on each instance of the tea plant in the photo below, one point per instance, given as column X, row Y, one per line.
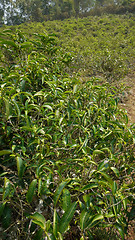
column 100, row 46
column 67, row 151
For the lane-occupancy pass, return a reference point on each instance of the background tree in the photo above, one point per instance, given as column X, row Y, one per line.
column 1, row 16
column 76, row 6
column 46, row 6
column 62, row 9
column 86, row 5
column 13, row 12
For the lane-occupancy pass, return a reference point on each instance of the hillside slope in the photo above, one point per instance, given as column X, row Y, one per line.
column 66, row 145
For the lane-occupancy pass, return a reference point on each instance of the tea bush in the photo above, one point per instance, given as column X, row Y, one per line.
column 93, row 40
column 67, row 151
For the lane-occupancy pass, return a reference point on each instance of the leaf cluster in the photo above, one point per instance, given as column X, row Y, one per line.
column 98, row 45
column 67, row 152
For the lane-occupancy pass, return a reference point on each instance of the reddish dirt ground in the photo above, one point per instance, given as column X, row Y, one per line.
column 128, row 101
column 129, row 104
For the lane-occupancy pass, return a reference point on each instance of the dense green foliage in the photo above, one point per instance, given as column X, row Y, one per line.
column 14, row 12
column 99, row 45
column 67, row 150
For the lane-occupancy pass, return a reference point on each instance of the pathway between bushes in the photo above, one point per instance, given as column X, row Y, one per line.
column 128, row 102
column 129, row 105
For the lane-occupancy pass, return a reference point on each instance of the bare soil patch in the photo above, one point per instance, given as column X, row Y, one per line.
column 128, row 103
column 128, row 100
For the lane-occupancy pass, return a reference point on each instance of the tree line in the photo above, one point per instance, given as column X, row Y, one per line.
column 14, row 12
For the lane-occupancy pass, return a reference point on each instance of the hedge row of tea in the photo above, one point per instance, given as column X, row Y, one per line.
column 98, row 45
column 66, row 148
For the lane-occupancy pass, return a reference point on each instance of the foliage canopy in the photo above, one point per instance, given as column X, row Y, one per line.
column 14, row 12
column 67, row 151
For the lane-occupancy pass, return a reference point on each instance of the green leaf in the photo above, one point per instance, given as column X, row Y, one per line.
column 96, row 152
column 120, row 230
column 55, row 223
column 106, row 176
column 20, row 167
column 8, row 106
column 60, row 236
column 116, row 171
column 26, row 45
column 7, row 187
column 48, row 224
column 9, row 43
column 86, row 199
column 40, row 93
column 89, row 186
column 84, row 144
column 6, row 217
column 106, row 150
column 114, row 206
column 39, row 219
column 60, row 120
column 39, row 186
column 7, row 31
column 66, row 199
column 125, row 203
column 97, row 218
column 5, row 152
column 102, row 166
column 84, row 219
column 50, row 237
column 2, row 206
column 82, row 238
column 17, row 107
column 75, row 88
column 114, row 188
column 26, row 128
column 31, row 190
column 109, row 215
column 58, row 192
column 66, row 218
column 94, row 220
column 4, row 173
column 104, row 183
column 81, row 205
column 41, row 167
column 48, row 106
